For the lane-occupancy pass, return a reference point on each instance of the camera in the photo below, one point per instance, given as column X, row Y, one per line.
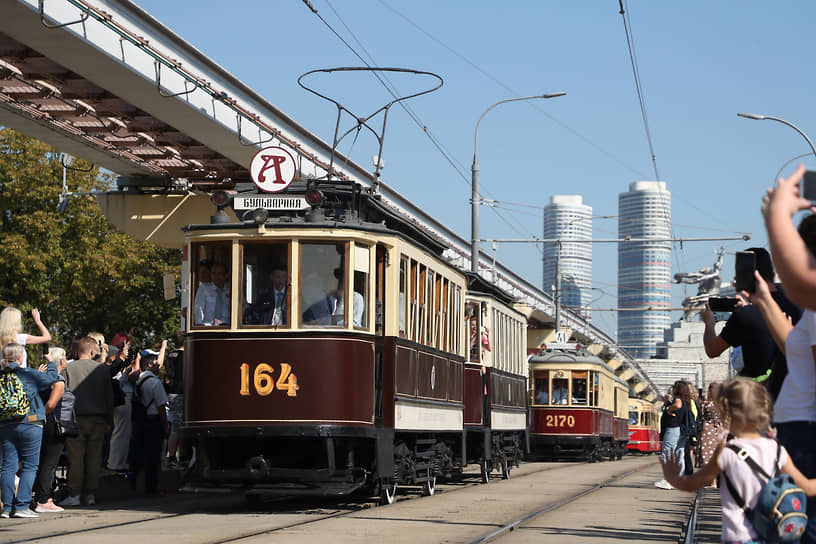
column 807, row 187
column 722, row 304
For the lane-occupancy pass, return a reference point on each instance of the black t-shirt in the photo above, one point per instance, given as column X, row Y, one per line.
column 746, row 327
column 676, row 419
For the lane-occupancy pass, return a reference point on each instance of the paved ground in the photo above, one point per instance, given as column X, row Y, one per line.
column 630, row 509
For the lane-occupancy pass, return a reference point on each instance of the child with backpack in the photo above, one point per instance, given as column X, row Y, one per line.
column 750, row 466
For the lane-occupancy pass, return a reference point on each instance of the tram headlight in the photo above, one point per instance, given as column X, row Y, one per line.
column 221, row 199
column 314, row 197
column 259, row 215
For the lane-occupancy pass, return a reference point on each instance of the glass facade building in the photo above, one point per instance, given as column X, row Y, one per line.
column 644, row 267
column 567, row 218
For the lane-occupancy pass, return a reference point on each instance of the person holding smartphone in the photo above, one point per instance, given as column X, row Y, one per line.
column 747, row 328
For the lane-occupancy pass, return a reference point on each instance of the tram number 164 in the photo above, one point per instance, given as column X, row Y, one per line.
column 264, row 382
column 559, row 420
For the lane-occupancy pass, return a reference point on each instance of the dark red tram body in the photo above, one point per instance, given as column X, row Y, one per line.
column 578, row 406
column 371, row 397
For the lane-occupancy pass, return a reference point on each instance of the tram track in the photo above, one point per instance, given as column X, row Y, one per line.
column 550, row 507
column 182, row 511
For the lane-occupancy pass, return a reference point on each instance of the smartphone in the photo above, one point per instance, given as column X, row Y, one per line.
column 744, row 266
column 722, row 304
column 44, row 348
column 807, row 187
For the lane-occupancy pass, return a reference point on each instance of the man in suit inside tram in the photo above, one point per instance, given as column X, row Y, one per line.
column 270, row 305
column 331, row 309
column 560, row 395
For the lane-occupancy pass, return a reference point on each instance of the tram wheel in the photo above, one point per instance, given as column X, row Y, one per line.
column 388, row 491
column 505, row 469
column 429, row 487
column 485, row 472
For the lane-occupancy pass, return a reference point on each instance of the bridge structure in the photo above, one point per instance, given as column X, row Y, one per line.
column 105, row 81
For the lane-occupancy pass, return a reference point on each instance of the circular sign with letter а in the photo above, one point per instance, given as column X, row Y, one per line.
column 272, row 169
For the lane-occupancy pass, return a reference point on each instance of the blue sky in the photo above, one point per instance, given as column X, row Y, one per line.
column 699, row 62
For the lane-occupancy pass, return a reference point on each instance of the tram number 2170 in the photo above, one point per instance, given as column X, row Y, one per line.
column 263, row 380
column 559, row 420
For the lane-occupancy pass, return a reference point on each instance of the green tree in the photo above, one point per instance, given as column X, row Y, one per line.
column 80, row 271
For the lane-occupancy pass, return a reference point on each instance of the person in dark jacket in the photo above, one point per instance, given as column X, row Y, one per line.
column 90, row 382
column 20, row 439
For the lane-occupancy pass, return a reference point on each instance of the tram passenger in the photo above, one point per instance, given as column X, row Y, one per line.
column 212, row 306
column 744, row 405
column 560, row 395
column 542, row 397
column 330, row 310
column 270, row 305
column 579, row 391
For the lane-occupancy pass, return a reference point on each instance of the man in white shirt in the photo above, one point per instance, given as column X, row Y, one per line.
column 212, row 302
column 560, row 392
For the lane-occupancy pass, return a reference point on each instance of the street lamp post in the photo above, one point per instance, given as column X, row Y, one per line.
column 475, row 199
column 758, row 117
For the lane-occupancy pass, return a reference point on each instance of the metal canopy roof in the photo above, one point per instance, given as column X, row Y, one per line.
column 105, row 81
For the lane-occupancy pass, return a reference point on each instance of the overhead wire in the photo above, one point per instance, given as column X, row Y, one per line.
column 391, row 89
column 506, row 87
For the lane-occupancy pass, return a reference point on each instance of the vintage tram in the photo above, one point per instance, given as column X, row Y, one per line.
column 495, row 379
column 644, row 426
column 577, row 405
column 328, row 353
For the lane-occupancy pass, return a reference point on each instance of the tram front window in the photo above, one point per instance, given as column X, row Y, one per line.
column 560, row 393
column 323, row 285
column 633, row 418
column 211, row 305
column 579, row 389
column 266, row 284
column 541, row 394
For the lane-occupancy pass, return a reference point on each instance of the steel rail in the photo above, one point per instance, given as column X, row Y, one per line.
column 554, row 506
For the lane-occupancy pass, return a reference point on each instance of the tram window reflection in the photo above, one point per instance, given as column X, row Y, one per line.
column 266, row 284
column 321, row 268
column 211, row 305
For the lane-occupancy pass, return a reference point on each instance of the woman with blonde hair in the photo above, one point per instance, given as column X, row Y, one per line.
column 11, row 330
column 21, row 437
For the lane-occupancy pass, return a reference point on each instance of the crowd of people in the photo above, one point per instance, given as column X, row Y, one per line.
column 767, row 414
column 98, row 408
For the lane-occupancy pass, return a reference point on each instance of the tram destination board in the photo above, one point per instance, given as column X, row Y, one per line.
column 272, row 203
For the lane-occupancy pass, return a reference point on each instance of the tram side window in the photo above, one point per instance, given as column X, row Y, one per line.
column 579, row 388
column 266, row 297
column 362, row 264
column 595, row 387
column 403, row 298
column 322, row 281
column 542, row 382
column 211, row 307
column 472, row 317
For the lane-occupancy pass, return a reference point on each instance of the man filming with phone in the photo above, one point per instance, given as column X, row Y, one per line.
column 746, row 327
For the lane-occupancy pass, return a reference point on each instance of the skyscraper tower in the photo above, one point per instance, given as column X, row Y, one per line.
column 567, row 218
column 644, row 268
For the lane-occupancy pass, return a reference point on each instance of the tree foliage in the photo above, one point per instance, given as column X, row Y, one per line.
column 80, row 271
